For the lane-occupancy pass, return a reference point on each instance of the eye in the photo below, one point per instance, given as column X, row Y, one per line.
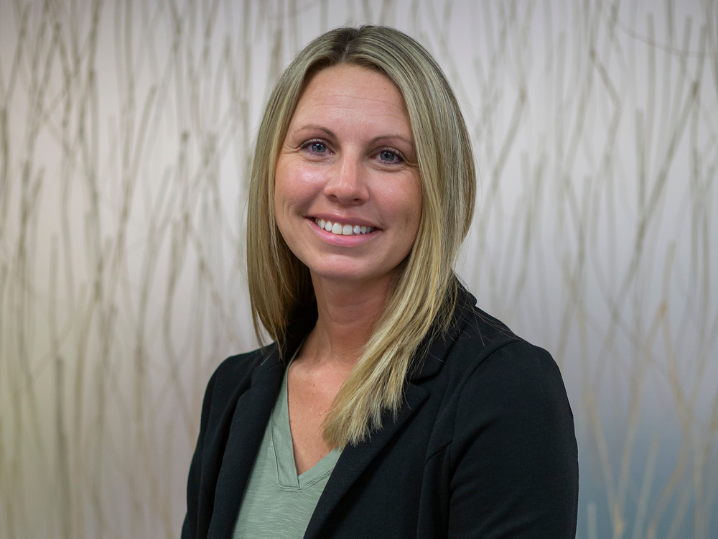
column 389, row 157
column 316, row 147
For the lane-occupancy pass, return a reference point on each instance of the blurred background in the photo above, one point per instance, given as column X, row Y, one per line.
column 126, row 132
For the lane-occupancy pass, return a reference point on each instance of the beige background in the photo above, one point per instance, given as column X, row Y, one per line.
column 125, row 135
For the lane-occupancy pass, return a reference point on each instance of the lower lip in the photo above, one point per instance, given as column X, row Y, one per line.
column 341, row 239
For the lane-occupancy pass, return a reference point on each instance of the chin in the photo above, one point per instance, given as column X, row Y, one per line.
column 342, row 276
column 349, row 276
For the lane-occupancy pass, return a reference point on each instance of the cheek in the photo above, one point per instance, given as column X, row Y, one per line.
column 407, row 203
column 294, row 186
column 286, row 191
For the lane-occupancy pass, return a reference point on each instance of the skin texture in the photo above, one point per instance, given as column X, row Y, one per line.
column 349, row 157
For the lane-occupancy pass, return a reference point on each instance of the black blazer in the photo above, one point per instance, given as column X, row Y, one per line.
column 483, row 447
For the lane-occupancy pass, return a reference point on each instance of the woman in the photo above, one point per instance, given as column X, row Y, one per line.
column 405, row 411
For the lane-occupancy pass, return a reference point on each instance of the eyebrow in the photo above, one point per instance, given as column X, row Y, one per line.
column 372, row 141
column 319, row 127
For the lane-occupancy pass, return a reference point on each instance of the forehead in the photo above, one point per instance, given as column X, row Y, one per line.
column 352, row 93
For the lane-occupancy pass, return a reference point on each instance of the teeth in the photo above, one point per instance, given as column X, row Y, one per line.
column 343, row 230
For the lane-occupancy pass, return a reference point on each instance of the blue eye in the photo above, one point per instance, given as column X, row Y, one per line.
column 388, row 156
column 316, row 147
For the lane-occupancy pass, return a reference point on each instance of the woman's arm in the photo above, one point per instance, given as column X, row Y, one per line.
column 514, row 451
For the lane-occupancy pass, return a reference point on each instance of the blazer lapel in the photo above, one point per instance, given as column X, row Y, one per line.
column 355, row 459
column 250, row 419
column 251, row 415
column 255, row 406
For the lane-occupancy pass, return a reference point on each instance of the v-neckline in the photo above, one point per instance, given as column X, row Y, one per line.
column 283, row 446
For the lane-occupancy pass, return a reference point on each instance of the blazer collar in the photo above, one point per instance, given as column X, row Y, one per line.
column 355, row 459
column 254, row 407
column 251, row 415
column 433, row 351
column 249, row 421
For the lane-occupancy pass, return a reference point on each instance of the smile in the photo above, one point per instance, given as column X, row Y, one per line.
column 343, row 229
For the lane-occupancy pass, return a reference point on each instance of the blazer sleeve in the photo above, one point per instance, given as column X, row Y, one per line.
column 514, row 455
column 194, row 525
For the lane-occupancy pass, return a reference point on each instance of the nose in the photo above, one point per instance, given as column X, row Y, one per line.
column 347, row 182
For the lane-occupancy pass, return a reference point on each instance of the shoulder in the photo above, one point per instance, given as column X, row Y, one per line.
column 239, row 365
column 514, row 378
column 512, row 448
column 488, row 358
column 235, row 374
column 497, row 382
column 510, row 398
column 501, row 371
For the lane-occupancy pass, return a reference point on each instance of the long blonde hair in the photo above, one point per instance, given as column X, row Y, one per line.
column 423, row 297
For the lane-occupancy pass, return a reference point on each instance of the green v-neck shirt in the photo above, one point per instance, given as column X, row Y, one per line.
column 277, row 503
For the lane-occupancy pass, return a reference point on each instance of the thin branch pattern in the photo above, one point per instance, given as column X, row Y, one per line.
column 126, row 130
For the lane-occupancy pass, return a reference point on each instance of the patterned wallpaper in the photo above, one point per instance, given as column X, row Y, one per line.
column 126, row 130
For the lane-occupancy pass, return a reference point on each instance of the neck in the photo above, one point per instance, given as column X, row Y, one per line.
column 347, row 314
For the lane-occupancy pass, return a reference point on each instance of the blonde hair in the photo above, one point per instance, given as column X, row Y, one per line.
column 424, row 294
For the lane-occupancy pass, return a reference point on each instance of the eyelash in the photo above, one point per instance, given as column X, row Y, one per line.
column 308, row 144
column 397, row 154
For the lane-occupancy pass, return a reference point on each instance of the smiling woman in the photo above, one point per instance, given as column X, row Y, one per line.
column 348, row 161
column 389, row 405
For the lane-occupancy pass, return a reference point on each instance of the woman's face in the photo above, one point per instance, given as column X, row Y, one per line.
column 347, row 193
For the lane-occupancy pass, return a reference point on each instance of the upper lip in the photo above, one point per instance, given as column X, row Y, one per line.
column 345, row 220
